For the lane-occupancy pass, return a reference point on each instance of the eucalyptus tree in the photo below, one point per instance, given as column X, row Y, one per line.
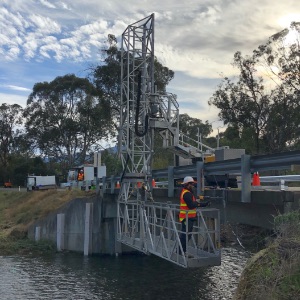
column 282, row 130
column 194, row 127
column 191, row 126
column 107, row 76
column 10, row 129
column 271, row 118
column 67, row 118
column 243, row 102
column 280, row 57
column 235, row 137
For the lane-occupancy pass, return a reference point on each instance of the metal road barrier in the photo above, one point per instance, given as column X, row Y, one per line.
column 279, row 180
column 243, row 166
column 276, row 179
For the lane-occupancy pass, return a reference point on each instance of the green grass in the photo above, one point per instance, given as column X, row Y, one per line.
column 290, row 285
column 274, row 273
column 12, row 246
column 18, row 210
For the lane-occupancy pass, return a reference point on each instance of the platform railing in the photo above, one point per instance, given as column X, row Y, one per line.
column 154, row 228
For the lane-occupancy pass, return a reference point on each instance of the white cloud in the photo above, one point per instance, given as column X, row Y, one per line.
column 13, row 99
column 93, row 28
column 44, row 25
column 12, row 53
column 71, row 42
column 195, row 38
column 30, row 46
column 46, row 3
column 63, row 5
column 17, row 88
column 4, row 40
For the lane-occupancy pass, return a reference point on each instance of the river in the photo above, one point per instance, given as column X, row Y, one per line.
column 72, row 276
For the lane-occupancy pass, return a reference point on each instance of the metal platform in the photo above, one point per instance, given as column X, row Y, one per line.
column 154, row 228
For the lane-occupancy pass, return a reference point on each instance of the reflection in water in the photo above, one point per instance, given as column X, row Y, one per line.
column 72, row 276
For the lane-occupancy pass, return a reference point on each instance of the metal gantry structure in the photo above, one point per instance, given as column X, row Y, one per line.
column 143, row 109
column 143, row 224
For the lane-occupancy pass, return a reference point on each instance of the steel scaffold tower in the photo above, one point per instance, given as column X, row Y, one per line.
column 137, row 87
column 142, row 224
column 142, row 108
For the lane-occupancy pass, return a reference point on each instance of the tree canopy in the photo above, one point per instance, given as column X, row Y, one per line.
column 269, row 117
column 10, row 129
column 194, row 126
column 67, row 118
column 243, row 103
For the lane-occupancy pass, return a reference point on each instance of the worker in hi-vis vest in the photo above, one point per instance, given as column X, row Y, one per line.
column 188, row 205
column 80, row 175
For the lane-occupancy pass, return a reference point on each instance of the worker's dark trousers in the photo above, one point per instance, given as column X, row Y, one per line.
column 183, row 229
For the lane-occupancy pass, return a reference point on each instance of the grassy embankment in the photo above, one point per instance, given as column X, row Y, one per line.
column 18, row 210
column 274, row 273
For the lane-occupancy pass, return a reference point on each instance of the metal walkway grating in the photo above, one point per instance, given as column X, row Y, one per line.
column 153, row 228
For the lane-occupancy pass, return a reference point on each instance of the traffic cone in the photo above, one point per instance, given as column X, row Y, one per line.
column 153, row 183
column 118, row 185
column 255, row 179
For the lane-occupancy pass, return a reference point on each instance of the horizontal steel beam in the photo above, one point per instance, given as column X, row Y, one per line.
column 258, row 163
column 277, row 161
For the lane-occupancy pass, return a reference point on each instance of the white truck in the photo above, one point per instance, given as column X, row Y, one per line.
column 40, row 182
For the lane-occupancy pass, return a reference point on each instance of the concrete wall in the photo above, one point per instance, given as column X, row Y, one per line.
column 103, row 226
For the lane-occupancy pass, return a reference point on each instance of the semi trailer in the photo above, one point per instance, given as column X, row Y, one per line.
column 35, row 183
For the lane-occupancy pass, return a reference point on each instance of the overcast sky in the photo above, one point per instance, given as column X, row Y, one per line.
column 40, row 40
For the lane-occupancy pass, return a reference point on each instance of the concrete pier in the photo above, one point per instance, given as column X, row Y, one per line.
column 60, row 232
column 88, row 228
column 37, row 236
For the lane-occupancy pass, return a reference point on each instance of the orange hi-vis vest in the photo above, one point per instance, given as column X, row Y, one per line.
column 184, row 208
column 80, row 176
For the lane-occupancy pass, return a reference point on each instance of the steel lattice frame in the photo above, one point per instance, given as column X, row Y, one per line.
column 137, row 77
column 140, row 223
column 142, row 110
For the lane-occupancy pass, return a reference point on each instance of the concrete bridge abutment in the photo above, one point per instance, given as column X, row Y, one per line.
column 89, row 225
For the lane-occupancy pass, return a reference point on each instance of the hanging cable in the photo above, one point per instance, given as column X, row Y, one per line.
column 137, row 111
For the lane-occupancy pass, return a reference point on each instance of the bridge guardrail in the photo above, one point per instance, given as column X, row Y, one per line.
column 243, row 166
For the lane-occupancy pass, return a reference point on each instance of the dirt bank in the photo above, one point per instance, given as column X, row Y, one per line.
column 18, row 210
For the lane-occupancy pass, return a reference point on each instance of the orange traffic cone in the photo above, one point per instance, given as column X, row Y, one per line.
column 255, row 179
column 153, row 183
column 118, row 185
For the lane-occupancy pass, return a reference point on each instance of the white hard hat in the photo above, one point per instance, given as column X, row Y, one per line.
column 188, row 179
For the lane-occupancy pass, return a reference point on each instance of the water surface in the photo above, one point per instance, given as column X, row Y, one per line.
column 72, row 276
